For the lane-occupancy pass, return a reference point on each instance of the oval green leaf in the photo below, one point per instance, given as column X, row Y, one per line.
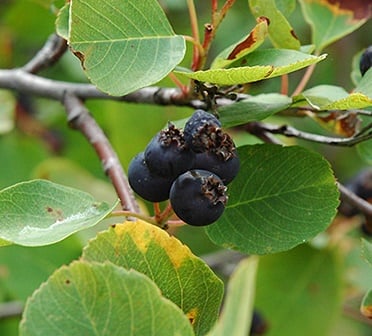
column 40, row 212
column 263, row 64
column 123, row 45
column 253, row 108
column 282, row 197
column 182, row 277
column 101, row 299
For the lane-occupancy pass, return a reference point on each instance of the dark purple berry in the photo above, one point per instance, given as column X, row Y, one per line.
column 225, row 169
column 167, row 153
column 200, row 129
column 198, row 197
column 145, row 183
column 365, row 60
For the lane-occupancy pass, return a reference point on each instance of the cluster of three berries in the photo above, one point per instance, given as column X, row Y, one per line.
column 189, row 167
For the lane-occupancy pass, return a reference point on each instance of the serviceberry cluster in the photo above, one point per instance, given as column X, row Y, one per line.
column 190, row 167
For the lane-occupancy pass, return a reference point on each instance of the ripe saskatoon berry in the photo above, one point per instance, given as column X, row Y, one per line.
column 221, row 159
column 198, row 197
column 225, row 169
column 167, row 154
column 365, row 60
column 200, row 129
column 145, row 183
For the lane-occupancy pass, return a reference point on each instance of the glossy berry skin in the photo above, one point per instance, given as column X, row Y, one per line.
column 149, row 186
column 199, row 130
column 198, row 197
column 365, row 60
column 226, row 170
column 167, row 154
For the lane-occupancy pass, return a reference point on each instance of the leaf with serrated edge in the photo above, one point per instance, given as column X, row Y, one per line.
column 281, row 197
column 39, row 212
column 182, row 277
column 235, row 319
column 123, row 45
column 263, row 64
column 101, row 299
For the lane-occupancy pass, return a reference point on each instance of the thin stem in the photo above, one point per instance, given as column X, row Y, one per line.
column 195, row 32
column 123, row 213
column 304, row 80
column 80, row 118
column 293, row 132
column 284, row 85
column 10, row 309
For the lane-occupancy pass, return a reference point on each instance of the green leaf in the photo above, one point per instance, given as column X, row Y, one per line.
column 253, row 108
column 330, row 97
column 366, row 306
column 364, row 86
column 182, row 277
column 263, row 64
column 281, row 33
column 365, row 151
column 123, row 45
column 235, row 319
column 331, row 21
column 367, row 251
column 24, row 268
column 40, row 212
column 299, row 291
column 282, row 197
column 235, row 52
column 62, row 24
column 7, row 110
column 101, row 299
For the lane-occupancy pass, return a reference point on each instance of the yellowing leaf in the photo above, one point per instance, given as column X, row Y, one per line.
column 261, row 64
column 181, row 276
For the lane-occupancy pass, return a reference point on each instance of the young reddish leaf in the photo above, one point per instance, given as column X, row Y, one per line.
column 331, row 20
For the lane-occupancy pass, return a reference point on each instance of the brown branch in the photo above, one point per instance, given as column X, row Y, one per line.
column 79, row 118
column 11, row 309
column 364, row 206
column 290, row 131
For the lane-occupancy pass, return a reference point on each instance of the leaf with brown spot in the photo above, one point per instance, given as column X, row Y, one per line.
column 181, row 276
column 331, row 20
column 235, row 52
column 281, row 32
